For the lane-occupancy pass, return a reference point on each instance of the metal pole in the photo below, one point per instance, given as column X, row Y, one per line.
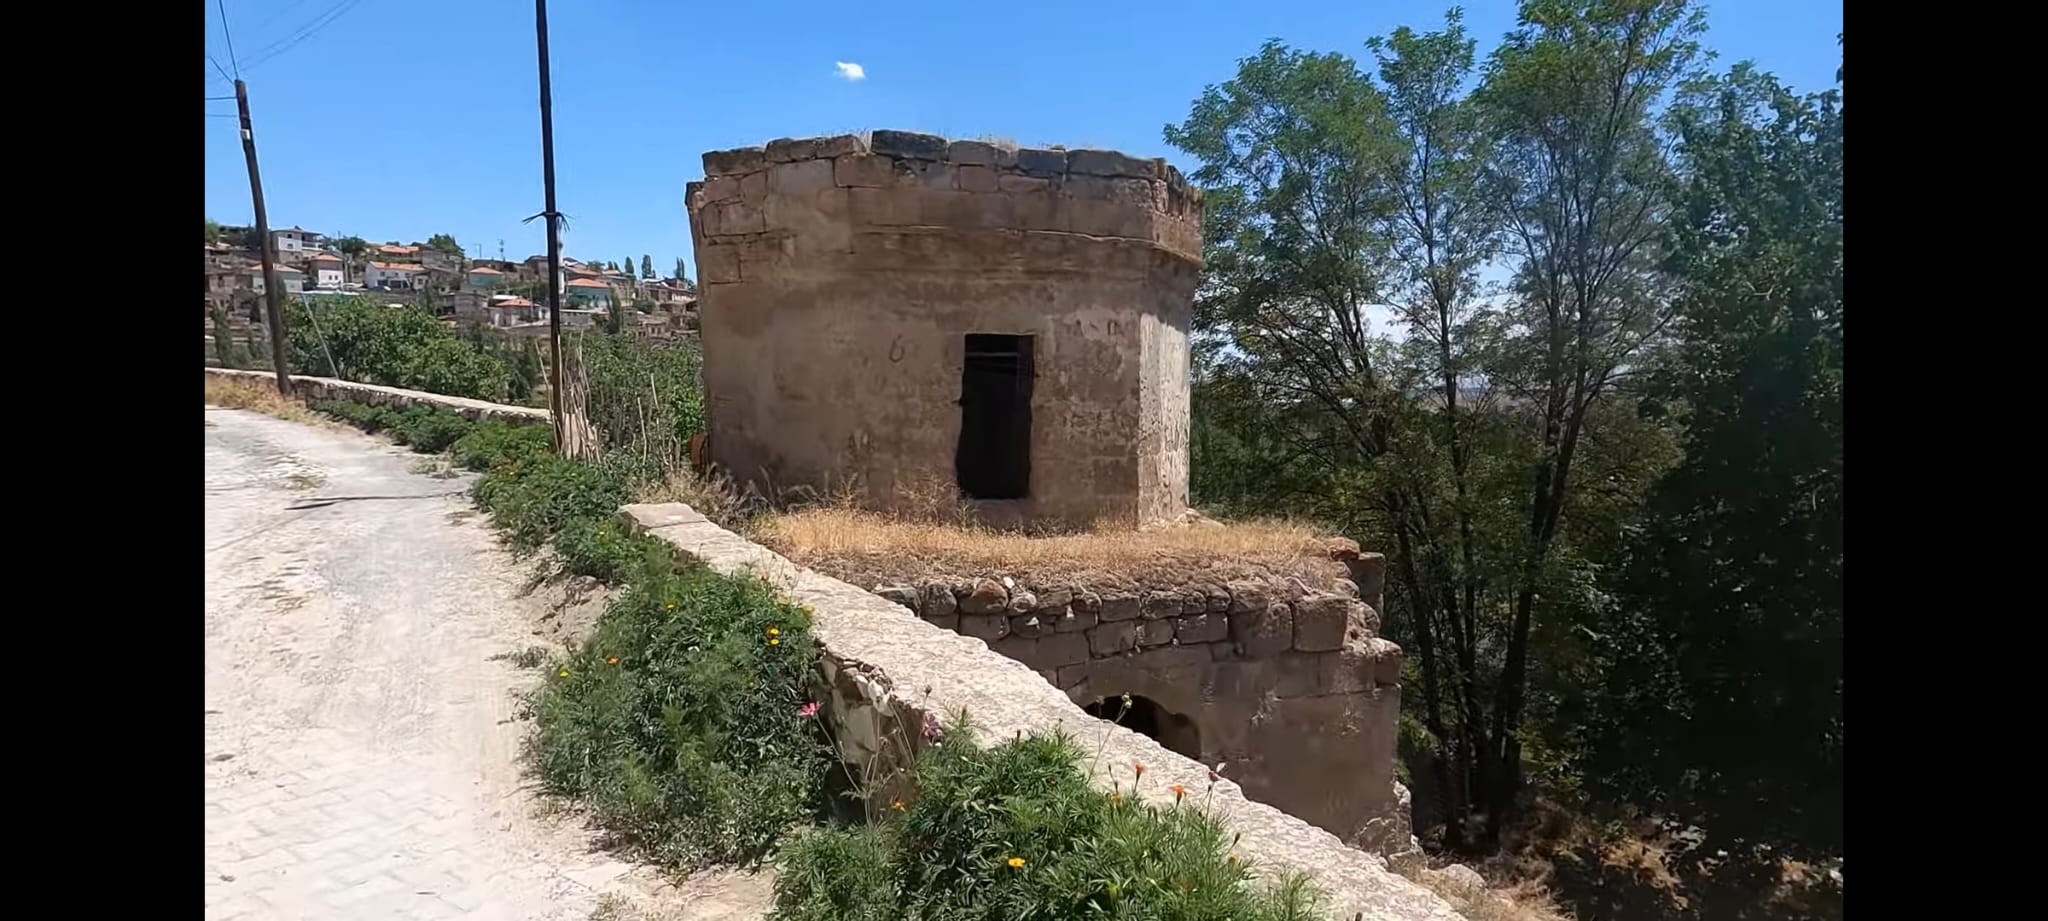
column 273, row 292
column 553, row 219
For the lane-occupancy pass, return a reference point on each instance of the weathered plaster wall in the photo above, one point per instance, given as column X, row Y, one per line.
column 840, row 276
column 888, row 674
column 328, row 388
column 1291, row 686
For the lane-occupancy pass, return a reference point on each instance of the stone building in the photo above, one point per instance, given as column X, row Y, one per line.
column 892, row 312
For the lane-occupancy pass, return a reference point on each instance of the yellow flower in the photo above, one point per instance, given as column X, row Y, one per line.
column 774, row 631
column 1115, row 798
column 670, row 606
column 564, row 673
column 1016, row 863
column 772, row 641
column 896, row 805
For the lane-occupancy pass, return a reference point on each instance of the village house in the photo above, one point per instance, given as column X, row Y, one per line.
column 485, row 277
column 327, row 269
column 588, row 293
column 395, row 252
column 394, row 276
column 293, row 241
column 510, row 311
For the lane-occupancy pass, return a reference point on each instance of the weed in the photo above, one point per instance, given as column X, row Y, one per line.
column 680, row 722
column 530, row 657
column 489, row 444
column 1016, row 832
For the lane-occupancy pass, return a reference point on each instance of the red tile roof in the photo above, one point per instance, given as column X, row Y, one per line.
column 513, row 302
column 324, row 257
column 484, row 270
column 396, row 267
column 586, row 283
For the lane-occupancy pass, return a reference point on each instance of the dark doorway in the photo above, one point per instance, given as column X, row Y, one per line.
column 1144, row 716
column 993, row 460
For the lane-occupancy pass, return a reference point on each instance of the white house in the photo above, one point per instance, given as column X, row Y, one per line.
column 327, row 270
column 295, row 240
column 294, row 280
column 395, row 276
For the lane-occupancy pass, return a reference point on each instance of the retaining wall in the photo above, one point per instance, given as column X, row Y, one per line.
column 890, row 674
column 328, row 388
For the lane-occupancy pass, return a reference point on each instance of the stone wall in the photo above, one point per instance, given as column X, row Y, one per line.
column 1290, row 685
column 840, row 276
column 888, row 675
column 328, row 388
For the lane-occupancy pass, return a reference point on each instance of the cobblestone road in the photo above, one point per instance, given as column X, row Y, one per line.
column 361, row 740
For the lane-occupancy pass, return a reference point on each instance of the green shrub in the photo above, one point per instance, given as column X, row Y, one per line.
column 1016, row 833
column 533, row 500
column 602, row 549
column 841, row 874
column 680, row 721
column 489, row 444
column 372, row 419
column 356, row 339
column 428, row 429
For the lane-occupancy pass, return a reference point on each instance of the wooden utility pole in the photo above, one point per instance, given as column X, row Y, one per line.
column 552, row 218
column 273, row 292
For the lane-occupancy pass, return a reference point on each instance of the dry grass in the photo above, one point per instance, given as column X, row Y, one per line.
column 867, row 548
column 1520, row 901
column 259, row 395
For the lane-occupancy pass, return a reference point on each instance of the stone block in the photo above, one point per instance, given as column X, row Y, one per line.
column 908, row 144
column 1074, row 620
column 1087, row 602
column 1320, row 622
column 1071, row 676
column 1160, row 604
column 1170, row 658
column 1386, row 659
column 1029, row 625
column 926, row 174
column 943, row 621
column 1010, row 182
column 936, row 600
column 1055, row 598
column 1023, row 602
column 1120, row 606
column 720, row 189
column 1202, row 628
column 1111, row 638
column 989, row 627
column 754, row 187
column 1062, row 649
column 1155, row 632
column 1111, row 163
column 1301, row 674
column 801, row 180
column 735, row 161
column 1264, row 634
column 1218, row 597
column 1042, row 163
column 840, row 145
column 987, row 596
column 718, row 263
column 975, row 178
column 1249, row 595
column 883, row 207
column 1021, row 649
column 733, row 218
column 899, row 593
column 1222, row 651
column 783, row 150
column 1192, row 601
column 977, row 153
column 858, row 171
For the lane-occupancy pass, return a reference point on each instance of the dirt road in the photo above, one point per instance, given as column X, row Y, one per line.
column 361, row 738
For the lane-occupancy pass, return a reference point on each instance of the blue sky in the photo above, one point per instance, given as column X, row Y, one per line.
column 397, row 120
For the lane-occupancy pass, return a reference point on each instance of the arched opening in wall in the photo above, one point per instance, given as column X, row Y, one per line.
column 1178, row 733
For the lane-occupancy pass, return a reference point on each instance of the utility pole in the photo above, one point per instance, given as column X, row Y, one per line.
column 553, row 219
column 273, row 292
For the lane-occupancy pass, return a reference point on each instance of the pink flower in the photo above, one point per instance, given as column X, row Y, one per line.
column 809, row 709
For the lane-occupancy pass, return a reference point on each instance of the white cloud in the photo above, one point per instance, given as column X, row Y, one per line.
column 850, row 71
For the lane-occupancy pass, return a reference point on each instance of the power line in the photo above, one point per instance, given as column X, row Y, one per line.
column 222, row 5
column 311, row 28
column 217, row 98
column 216, row 66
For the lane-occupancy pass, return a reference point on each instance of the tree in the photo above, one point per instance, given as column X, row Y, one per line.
column 396, row 347
column 626, row 267
column 1723, row 694
column 212, row 231
column 682, row 271
column 444, row 243
column 646, row 267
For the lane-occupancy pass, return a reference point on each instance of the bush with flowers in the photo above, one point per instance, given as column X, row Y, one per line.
column 684, row 724
column 1015, row 832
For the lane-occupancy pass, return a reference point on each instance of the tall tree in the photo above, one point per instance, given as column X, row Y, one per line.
column 1579, row 175
column 444, row 243
column 647, row 266
column 212, row 231
column 681, row 269
column 1725, row 690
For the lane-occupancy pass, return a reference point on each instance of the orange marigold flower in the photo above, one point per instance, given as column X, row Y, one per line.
column 1016, row 863
column 1138, row 767
column 1178, row 792
column 613, row 660
column 896, row 805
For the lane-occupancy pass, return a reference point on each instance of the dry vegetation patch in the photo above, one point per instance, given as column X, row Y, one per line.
column 867, row 548
column 260, row 395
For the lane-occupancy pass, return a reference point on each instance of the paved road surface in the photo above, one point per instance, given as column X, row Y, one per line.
column 361, row 742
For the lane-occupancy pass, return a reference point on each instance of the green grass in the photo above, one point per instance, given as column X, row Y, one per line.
column 1016, row 833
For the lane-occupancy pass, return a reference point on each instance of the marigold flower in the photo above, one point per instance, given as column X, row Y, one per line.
column 1115, row 798
column 774, row 641
column 774, row 630
column 1178, row 792
column 564, row 673
column 613, row 660
column 896, row 805
column 1016, row 863
column 1138, row 767
column 670, row 605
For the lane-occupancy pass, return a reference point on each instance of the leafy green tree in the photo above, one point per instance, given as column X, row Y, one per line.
column 212, row 231
column 682, row 271
column 1723, row 702
column 351, row 246
column 444, row 243
column 352, row 338
column 625, row 267
column 647, row 267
